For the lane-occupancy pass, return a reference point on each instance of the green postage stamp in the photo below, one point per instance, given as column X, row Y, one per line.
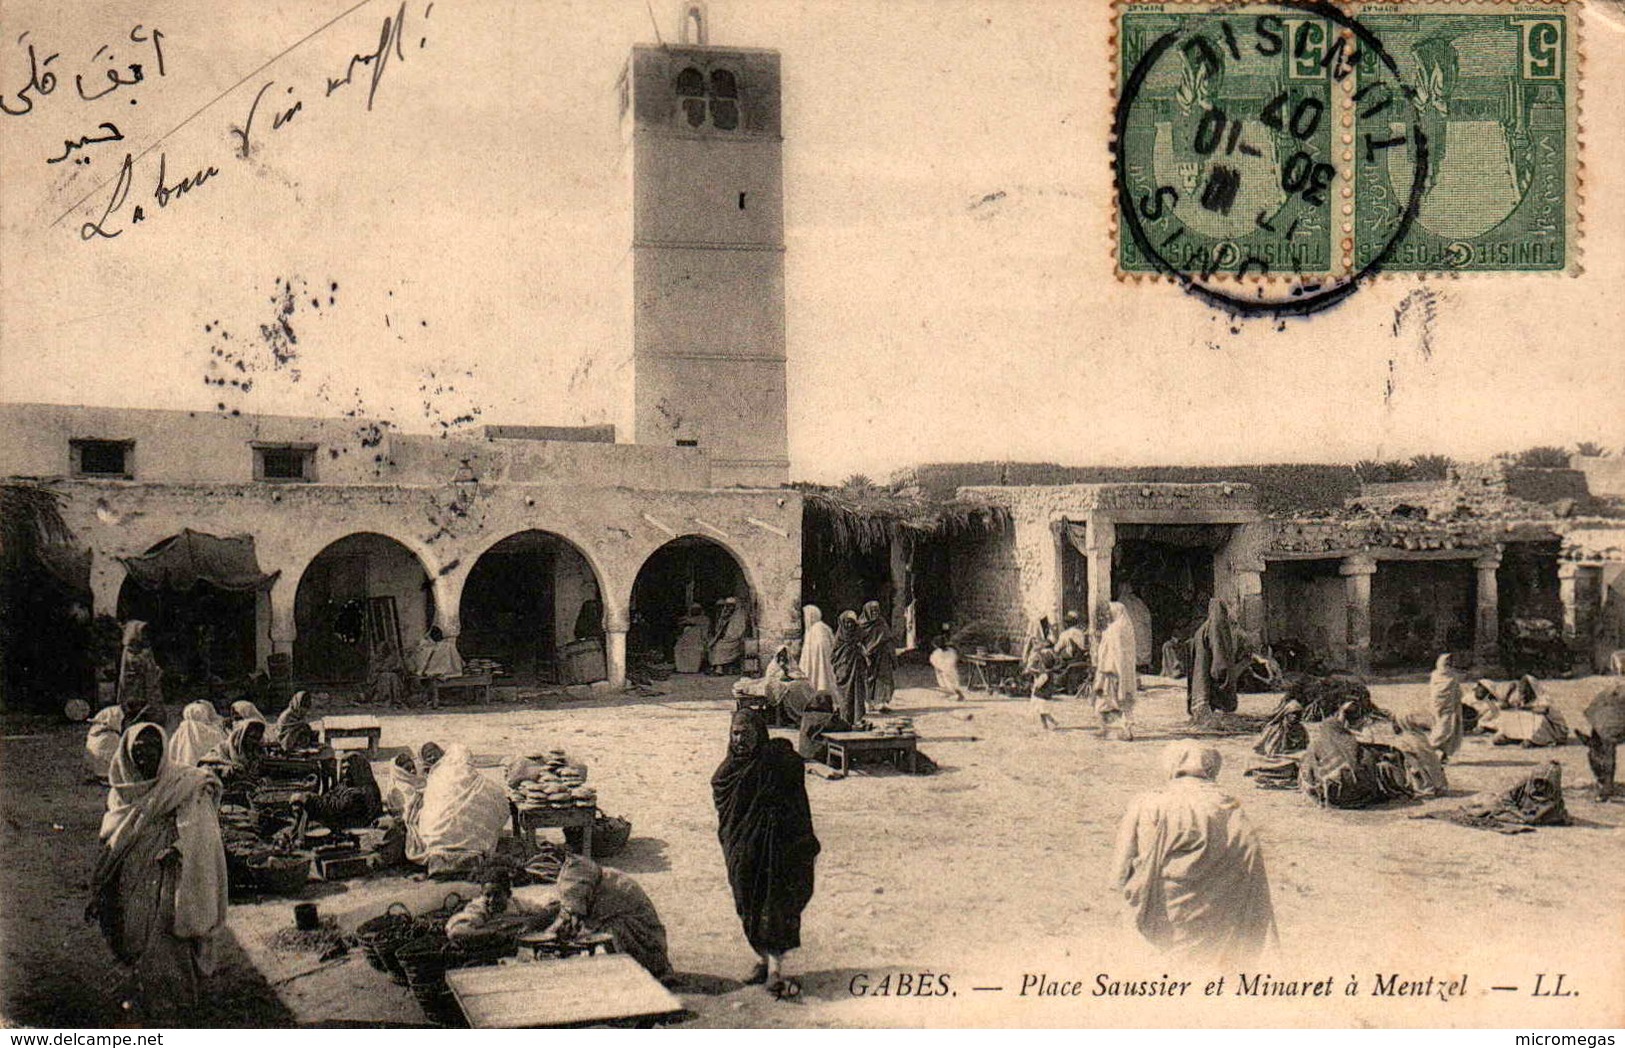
column 1327, row 143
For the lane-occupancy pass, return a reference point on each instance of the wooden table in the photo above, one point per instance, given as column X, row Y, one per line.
column 1000, row 663
column 843, row 744
column 572, row 991
column 319, row 763
column 479, row 683
column 526, row 823
column 358, row 726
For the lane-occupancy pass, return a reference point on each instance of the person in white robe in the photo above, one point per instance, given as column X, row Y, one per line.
column 196, row 736
column 817, row 647
column 1117, row 681
column 1189, row 864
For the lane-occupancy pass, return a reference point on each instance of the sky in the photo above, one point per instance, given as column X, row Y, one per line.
column 457, row 253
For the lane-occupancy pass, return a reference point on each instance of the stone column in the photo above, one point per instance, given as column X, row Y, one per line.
column 615, row 656
column 1487, row 622
column 1247, row 568
column 1058, row 590
column 1250, row 599
column 106, row 579
column 448, row 598
column 1357, row 570
column 1102, row 539
column 1579, row 588
column 617, row 621
column 284, row 628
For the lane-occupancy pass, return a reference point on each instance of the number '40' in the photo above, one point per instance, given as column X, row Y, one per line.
column 1300, row 173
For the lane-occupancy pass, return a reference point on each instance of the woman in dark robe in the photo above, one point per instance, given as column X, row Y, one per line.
column 817, row 718
column 1211, row 687
column 354, row 803
column 880, row 655
column 765, row 825
column 851, row 670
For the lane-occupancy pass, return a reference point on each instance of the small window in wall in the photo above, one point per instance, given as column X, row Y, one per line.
column 688, row 443
column 103, row 458
column 285, row 462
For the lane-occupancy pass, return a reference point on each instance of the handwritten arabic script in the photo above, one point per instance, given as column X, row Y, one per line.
column 274, row 103
column 42, row 79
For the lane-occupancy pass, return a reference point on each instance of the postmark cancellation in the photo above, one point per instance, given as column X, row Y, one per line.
column 1311, row 146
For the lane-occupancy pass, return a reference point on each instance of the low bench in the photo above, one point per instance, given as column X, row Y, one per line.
column 343, row 734
column 842, row 745
column 478, row 683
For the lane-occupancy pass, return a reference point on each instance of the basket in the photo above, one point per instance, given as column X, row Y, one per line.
column 380, row 935
column 281, row 874
column 424, row 962
column 610, row 836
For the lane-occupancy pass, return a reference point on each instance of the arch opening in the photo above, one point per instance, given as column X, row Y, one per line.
column 534, row 605
column 686, row 572
column 363, row 598
column 204, row 636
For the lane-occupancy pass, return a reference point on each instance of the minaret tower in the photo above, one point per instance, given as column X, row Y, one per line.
column 708, row 252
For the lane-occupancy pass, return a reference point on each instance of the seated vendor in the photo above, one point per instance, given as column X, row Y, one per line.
column 780, row 669
column 293, row 727
column 461, row 818
column 1072, row 653
column 495, row 913
column 1073, row 643
column 437, row 656
column 236, row 762
column 945, row 664
column 597, row 899
column 354, row 803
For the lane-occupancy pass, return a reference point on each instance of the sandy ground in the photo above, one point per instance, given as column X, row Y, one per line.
column 991, row 872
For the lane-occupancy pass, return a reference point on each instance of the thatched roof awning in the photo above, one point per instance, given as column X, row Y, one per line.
column 866, row 521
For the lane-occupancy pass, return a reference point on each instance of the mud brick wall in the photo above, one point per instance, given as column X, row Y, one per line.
column 1547, row 485
column 1605, row 477
column 987, row 585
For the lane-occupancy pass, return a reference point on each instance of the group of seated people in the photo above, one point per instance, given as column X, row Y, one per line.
column 587, row 899
column 391, row 679
column 1058, row 663
column 711, row 644
column 831, row 680
column 1515, row 713
column 1327, row 738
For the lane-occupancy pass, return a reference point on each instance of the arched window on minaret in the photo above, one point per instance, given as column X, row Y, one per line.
column 724, row 100
column 695, row 28
column 691, row 96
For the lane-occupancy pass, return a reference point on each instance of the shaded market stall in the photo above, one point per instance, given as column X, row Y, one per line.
column 203, row 598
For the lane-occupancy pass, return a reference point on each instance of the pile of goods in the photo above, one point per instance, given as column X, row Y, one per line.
column 414, row 952
column 544, row 866
column 262, row 851
column 549, row 783
column 892, row 725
